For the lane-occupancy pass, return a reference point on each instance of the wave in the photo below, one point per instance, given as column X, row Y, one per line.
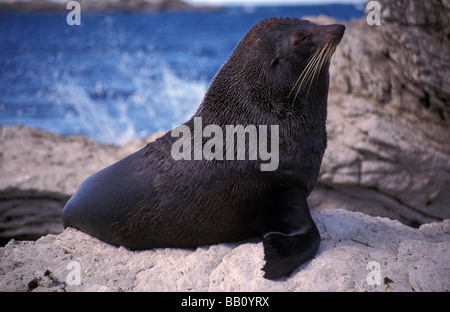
column 156, row 100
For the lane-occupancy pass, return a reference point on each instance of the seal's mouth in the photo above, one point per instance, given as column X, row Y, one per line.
column 332, row 36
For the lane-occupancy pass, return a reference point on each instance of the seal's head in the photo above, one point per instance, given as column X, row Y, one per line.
column 281, row 59
column 296, row 51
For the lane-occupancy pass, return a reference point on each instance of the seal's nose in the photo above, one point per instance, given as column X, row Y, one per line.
column 332, row 33
column 337, row 30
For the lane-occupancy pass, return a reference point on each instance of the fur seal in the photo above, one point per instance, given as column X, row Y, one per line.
column 277, row 75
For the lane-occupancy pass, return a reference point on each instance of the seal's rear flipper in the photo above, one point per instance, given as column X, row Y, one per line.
column 291, row 237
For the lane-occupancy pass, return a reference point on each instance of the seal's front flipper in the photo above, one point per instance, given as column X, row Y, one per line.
column 291, row 238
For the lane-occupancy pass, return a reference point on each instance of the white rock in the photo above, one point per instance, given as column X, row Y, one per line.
column 409, row 259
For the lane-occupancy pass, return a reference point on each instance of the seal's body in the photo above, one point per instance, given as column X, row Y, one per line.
column 277, row 75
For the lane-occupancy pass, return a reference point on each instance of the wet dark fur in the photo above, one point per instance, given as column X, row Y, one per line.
column 148, row 200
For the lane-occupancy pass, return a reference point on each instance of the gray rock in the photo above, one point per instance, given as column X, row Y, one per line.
column 401, row 259
column 389, row 116
column 39, row 171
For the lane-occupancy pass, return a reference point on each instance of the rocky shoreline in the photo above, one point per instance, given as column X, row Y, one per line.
column 357, row 253
column 40, row 171
column 388, row 157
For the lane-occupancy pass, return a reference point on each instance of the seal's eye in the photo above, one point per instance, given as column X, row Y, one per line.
column 300, row 39
column 274, row 62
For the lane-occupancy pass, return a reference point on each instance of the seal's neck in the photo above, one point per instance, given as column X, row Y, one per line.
column 232, row 98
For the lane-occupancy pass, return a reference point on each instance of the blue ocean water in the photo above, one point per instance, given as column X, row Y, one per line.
column 124, row 75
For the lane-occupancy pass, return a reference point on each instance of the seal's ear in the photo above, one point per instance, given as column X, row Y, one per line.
column 299, row 39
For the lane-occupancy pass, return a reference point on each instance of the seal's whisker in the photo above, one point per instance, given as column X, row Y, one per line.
column 318, row 67
column 323, row 61
column 311, row 73
column 300, row 76
column 325, row 58
column 312, row 70
column 311, row 67
column 314, row 73
column 305, row 73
